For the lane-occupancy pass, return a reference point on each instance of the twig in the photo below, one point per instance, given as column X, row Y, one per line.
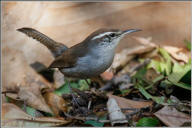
column 9, row 91
column 89, row 105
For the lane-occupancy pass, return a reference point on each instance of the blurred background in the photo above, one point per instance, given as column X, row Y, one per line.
column 71, row 22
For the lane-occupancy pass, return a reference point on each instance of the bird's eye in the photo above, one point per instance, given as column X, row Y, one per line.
column 112, row 35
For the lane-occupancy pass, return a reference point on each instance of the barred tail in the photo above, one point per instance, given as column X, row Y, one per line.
column 56, row 48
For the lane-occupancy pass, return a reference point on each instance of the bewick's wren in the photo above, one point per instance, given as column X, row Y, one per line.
column 87, row 59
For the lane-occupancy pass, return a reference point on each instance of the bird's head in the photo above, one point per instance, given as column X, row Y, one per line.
column 108, row 38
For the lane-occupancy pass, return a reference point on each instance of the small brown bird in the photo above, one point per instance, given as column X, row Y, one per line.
column 87, row 59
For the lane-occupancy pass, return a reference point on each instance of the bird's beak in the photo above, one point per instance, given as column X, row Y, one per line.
column 130, row 31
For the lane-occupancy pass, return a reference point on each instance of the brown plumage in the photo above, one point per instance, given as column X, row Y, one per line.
column 87, row 59
column 69, row 57
column 76, row 51
column 56, row 48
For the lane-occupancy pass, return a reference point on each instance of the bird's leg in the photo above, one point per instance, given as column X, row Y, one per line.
column 73, row 96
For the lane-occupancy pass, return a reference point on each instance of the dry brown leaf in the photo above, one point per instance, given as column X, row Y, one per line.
column 59, row 79
column 20, row 77
column 14, row 116
column 171, row 117
column 32, row 97
column 16, row 70
column 146, row 46
column 115, row 114
column 122, row 58
column 56, row 103
column 178, row 53
column 126, row 103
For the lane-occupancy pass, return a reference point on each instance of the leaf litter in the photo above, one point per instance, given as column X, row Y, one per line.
column 139, row 89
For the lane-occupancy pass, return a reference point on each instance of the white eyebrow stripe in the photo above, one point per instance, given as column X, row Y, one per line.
column 101, row 35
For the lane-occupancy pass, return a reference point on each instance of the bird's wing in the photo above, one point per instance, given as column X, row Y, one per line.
column 66, row 60
column 70, row 57
column 55, row 47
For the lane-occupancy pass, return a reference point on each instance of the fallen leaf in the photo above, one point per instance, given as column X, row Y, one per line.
column 181, row 106
column 179, row 71
column 121, row 59
column 15, row 117
column 158, row 99
column 56, row 103
column 32, row 96
column 15, row 69
column 126, row 103
column 59, row 79
column 167, row 65
column 31, row 111
column 96, row 123
column 164, row 65
column 147, row 46
column 178, row 53
column 181, row 75
column 171, row 117
column 145, row 41
column 18, row 76
column 115, row 114
column 147, row 122
column 81, row 85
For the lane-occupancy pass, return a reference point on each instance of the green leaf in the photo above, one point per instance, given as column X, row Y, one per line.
column 147, row 122
column 155, row 65
column 83, row 85
column 154, row 81
column 29, row 110
column 179, row 71
column 160, row 77
column 96, row 123
column 141, row 73
column 165, row 54
column 64, row 89
column 125, row 91
column 144, row 92
column 159, row 100
column 181, row 75
column 188, row 44
column 182, row 85
column 186, row 78
column 166, row 66
column 7, row 99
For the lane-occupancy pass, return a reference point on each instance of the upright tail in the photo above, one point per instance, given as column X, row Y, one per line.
column 56, row 48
